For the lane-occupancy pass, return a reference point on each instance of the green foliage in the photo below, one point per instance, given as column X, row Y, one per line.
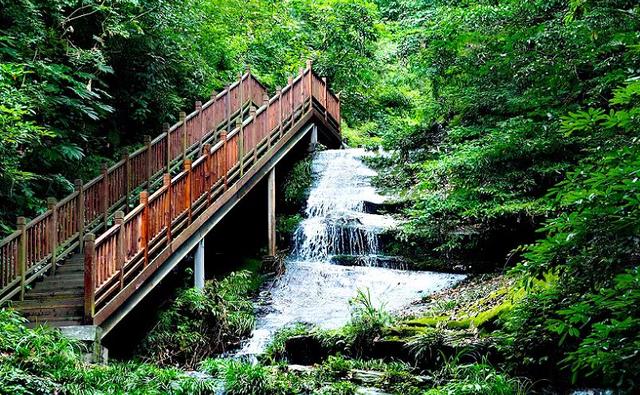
column 479, row 378
column 367, row 323
column 297, row 183
column 82, row 82
column 43, row 361
column 200, row 323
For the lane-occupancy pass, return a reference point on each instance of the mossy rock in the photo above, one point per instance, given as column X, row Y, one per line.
column 480, row 320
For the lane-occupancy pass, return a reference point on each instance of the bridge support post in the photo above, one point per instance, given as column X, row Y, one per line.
column 314, row 138
column 271, row 211
column 198, row 262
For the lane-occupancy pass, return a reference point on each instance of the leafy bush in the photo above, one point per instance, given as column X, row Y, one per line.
column 201, row 323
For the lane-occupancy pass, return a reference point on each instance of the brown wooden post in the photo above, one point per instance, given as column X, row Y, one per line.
column 127, row 180
column 301, row 83
column 225, row 158
column 80, row 213
column 254, row 142
column 290, row 83
column 22, row 253
column 144, row 231
column 324, row 98
column 89, row 277
column 227, row 107
column 148, row 165
column 241, row 94
column 187, row 192
column 166, row 181
column 183, row 128
column 200, row 124
column 207, row 171
column 52, row 232
column 249, row 84
column 310, row 82
column 119, row 220
column 105, row 195
column 165, row 131
column 279, row 94
column 240, row 127
column 265, row 119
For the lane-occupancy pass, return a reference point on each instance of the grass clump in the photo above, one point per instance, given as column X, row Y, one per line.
column 204, row 322
column 43, row 361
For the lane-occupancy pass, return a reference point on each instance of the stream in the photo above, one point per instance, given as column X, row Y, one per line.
column 314, row 289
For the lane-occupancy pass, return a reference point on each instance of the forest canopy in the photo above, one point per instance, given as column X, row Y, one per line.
column 512, row 126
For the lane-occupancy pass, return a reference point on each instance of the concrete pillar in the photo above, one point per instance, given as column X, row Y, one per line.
column 198, row 271
column 271, row 211
column 314, row 138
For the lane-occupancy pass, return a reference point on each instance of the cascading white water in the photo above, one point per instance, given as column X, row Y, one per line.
column 313, row 290
column 336, row 221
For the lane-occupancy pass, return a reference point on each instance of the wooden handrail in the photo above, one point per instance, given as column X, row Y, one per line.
column 141, row 236
column 90, row 208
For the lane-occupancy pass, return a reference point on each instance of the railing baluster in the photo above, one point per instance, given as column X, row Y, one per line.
column 52, row 232
column 144, row 226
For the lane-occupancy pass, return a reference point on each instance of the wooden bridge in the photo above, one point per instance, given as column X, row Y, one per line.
column 94, row 255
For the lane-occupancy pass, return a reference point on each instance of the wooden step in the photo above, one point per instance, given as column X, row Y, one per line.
column 71, row 268
column 56, row 322
column 56, row 283
column 37, row 294
column 49, row 303
column 37, row 313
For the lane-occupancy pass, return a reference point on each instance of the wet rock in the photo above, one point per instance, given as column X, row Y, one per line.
column 304, row 350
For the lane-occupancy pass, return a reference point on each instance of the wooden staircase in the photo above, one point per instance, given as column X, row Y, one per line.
column 56, row 300
column 92, row 256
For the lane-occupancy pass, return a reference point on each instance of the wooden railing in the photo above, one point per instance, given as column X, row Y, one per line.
column 38, row 245
column 125, row 255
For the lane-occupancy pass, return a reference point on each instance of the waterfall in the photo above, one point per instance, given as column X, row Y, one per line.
column 336, row 222
column 316, row 292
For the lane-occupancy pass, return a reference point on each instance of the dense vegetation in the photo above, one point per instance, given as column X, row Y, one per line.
column 82, row 81
column 514, row 129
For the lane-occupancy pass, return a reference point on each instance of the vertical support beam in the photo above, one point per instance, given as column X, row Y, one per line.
column 271, row 212
column 89, row 277
column 120, row 257
column 183, row 128
column 198, row 270
column 200, row 125
column 302, row 83
column 144, row 224
column 187, row 186
column 127, row 180
column 53, row 232
column 22, row 253
column 105, row 195
column 166, row 181
column 324, row 97
column 147, row 143
column 314, row 138
column 165, row 131
column 80, row 213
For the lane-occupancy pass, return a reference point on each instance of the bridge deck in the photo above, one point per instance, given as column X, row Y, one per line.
column 97, row 278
